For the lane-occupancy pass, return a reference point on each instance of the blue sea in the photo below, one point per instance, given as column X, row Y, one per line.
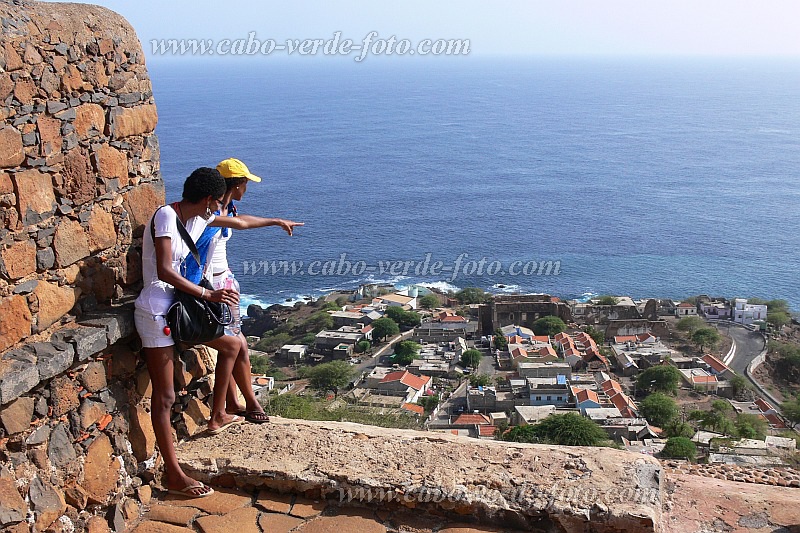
column 640, row 177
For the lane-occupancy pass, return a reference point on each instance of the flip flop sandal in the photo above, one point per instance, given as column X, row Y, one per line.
column 236, row 420
column 256, row 417
column 186, row 491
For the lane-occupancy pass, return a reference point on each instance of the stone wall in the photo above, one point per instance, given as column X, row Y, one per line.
column 79, row 176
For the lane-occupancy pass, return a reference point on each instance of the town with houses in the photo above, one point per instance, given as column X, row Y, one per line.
column 526, row 377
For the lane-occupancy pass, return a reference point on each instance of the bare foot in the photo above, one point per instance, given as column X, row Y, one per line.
column 219, row 421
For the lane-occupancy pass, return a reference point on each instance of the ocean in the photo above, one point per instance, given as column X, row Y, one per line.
column 642, row 177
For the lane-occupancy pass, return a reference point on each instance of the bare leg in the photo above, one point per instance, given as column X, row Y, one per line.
column 228, row 350
column 232, row 404
column 160, row 368
column 242, row 374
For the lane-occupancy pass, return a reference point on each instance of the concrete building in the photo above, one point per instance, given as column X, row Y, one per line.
column 745, row 313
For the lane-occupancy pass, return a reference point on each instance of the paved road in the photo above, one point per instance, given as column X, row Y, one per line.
column 748, row 345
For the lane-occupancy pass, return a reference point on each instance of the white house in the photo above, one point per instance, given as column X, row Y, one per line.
column 685, row 309
column 745, row 313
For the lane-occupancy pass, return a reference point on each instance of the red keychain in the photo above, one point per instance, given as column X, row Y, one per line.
column 167, row 331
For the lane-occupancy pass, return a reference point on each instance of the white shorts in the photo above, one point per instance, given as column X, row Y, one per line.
column 151, row 329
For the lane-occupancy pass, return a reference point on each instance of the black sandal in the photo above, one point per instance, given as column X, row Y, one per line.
column 256, row 417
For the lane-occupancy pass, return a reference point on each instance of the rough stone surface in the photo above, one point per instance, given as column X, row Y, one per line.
column 274, row 502
column 304, row 508
column 60, row 450
column 133, row 121
column 491, row 479
column 70, row 242
column 87, row 341
column 337, row 524
column 111, row 163
column 141, row 203
column 93, row 378
column 101, row 470
column 90, row 120
column 18, row 374
column 78, row 178
column 11, row 150
column 277, row 523
column 102, row 233
column 52, row 359
column 12, row 506
column 35, row 197
column 19, row 259
column 172, row 514
column 698, row 504
column 17, row 415
column 141, row 436
column 243, row 520
column 49, row 135
column 222, row 502
column 54, row 302
column 160, row 527
column 63, row 395
column 48, row 503
column 15, row 321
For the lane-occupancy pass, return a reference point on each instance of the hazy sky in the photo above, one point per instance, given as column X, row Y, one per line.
column 508, row 27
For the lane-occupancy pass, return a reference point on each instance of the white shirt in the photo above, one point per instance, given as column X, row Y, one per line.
column 219, row 252
column 156, row 295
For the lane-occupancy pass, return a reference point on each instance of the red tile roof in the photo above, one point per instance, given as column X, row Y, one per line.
column 519, row 352
column 775, row 421
column 454, row 319
column 715, row 363
column 541, row 338
column 486, row 431
column 546, row 350
column 686, row 305
column 704, row 379
column 414, row 408
column 764, row 405
column 407, row 378
column 515, row 339
column 584, row 395
column 611, row 385
column 624, row 404
column 642, row 337
column 468, row 418
column 621, row 339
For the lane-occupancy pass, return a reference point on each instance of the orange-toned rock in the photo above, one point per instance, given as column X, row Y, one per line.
column 49, row 134
column 35, row 197
column 15, row 321
column 13, row 59
column 141, row 202
column 97, row 524
column 133, row 120
column 71, row 80
column 336, row 524
column 70, row 242
column 78, row 178
column 19, row 259
column 89, row 118
column 222, row 502
column 278, row 523
column 238, row 521
column 6, row 85
column 102, row 234
column 54, row 302
column 11, row 151
column 111, row 163
column 141, row 436
column 24, row 91
column 101, row 471
column 6, row 185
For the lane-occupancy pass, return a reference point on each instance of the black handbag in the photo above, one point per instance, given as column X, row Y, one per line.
column 193, row 320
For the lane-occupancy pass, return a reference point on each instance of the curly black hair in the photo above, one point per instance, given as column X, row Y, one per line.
column 233, row 182
column 202, row 183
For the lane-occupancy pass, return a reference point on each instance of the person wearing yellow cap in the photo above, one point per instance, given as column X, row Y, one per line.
column 237, row 177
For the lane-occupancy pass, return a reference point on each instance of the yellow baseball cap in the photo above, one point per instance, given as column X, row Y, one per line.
column 233, row 168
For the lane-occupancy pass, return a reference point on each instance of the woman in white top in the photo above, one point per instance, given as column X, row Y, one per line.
column 162, row 260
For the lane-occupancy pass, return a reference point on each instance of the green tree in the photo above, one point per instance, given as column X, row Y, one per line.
column 500, row 341
column 362, row 346
column 661, row 378
column 270, row 342
column 549, row 325
column 329, row 375
column 791, row 410
column 659, row 409
column 429, row 301
column 690, row 324
column 596, row 334
column 471, row 358
column 706, row 338
column 677, row 428
column 319, row 321
column 750, row 426
column 471, row 295
column 679, row 448
column 739, row 386
column 570, row 429
column 404, row 319
column 429, row 403
column 405, row 352
column 778, row 318
column 384, row 327
column 479, row 380
column 716, row 418
column 607, row 300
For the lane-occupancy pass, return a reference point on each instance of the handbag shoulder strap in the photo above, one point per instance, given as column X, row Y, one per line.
column 181, row 230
